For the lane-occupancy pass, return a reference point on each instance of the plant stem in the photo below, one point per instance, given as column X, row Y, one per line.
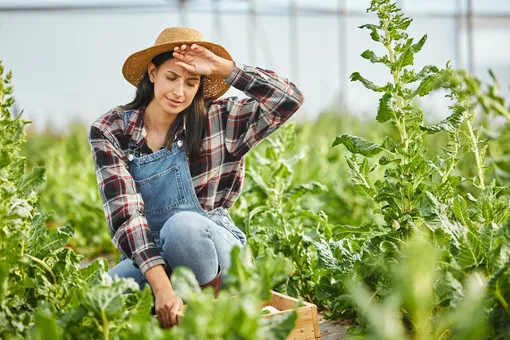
column 45, row 265
column 502, row 300
column 474, row 141
column 106, row 327
column 396, row 80
column 452, row 165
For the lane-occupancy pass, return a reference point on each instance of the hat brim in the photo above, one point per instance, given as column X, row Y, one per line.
column 136, row 65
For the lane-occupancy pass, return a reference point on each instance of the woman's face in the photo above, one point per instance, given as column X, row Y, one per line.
column 174, row 87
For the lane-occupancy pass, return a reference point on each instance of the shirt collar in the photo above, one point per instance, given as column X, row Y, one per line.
column 135, row 128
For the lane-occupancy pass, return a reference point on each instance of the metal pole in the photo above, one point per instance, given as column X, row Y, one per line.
column 294, row 50
column 457, row 27
column 217, row 29
column 183, row 20
column 471, row 65
column 342, row 54
column 252, row 31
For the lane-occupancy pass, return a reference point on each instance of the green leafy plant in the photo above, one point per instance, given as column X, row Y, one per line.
column 70, row 189
column 236, row 313
column 416, row 279
column 465, row 215
column 272, row 216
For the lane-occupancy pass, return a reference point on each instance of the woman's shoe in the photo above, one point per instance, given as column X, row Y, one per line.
column 215, row 283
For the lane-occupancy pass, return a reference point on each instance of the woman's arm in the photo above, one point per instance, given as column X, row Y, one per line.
column 123, row 206
column 246, row 122
column 272, row 101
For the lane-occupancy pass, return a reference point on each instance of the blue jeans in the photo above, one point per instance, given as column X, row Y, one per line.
column 192, row 240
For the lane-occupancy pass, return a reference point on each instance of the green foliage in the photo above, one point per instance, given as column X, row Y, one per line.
column 416, row 281
column 464, row 214
column 273, row 217
column 109, row 308
column 235, row 315
column 70, row 190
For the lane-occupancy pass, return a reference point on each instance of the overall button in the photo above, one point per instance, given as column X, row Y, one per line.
column 225, row 219
column 179, row 143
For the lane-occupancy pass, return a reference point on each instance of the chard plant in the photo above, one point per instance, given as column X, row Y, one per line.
column 236, row 313
column 415, row 275
column 465, row 215
column 103, row 310
column 272, row 215
column 70, row 190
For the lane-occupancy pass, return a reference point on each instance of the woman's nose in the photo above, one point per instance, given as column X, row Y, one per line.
column 179, row 89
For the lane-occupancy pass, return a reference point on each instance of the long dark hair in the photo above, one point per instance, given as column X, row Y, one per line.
column 196, row 113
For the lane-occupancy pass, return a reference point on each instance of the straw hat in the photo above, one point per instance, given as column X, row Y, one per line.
column 136, row 64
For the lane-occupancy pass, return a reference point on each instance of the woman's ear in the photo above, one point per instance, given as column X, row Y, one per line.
column 151, row 70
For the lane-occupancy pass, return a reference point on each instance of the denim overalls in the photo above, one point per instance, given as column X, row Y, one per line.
column 164, row 181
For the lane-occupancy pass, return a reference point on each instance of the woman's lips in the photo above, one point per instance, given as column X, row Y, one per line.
column 174, row 103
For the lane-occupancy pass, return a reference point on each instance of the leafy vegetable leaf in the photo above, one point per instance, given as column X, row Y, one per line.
column 450, row 124
column 358, row 145
column 367, row 83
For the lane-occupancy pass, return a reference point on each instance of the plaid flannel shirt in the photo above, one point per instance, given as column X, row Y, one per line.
column 235, row 126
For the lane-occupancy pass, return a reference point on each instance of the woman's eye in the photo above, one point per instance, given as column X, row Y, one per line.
column 191, row 84
column 172, row 79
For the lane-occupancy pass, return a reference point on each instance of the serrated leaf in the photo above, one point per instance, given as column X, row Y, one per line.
column 363, row 190
column 450, row 124
column 460, row 211
column 367, row 83
column 256, row 211
column 94, row 269
column 33, row 179
column 389, row 144
column 385, row 160
column 425, row 86
column 470, row 251
column 370, row 55
column 487, row 211
column 388, row 247
column 386, row 110
column 488, row 239
column 419, row 45
column 358, row 145
column 406, row 58
column 326, row 257
column 374, row 34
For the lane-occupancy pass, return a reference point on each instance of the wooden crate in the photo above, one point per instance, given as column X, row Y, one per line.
column 307, row 323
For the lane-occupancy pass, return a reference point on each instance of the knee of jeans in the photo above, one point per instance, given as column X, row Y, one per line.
column 182, row 228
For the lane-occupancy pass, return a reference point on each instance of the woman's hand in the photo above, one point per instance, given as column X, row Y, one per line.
column 199, row 60
column 168, row 304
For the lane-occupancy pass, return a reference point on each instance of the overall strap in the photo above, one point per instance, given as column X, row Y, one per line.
column 126, row 114
column 132, row 147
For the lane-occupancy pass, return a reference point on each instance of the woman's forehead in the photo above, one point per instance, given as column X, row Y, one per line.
column 171, row 67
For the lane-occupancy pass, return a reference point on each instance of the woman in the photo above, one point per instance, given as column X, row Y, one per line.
column 170, row 162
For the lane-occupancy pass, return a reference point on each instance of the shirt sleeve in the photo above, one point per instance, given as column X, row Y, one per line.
column 123, row 206
column 247, row 121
